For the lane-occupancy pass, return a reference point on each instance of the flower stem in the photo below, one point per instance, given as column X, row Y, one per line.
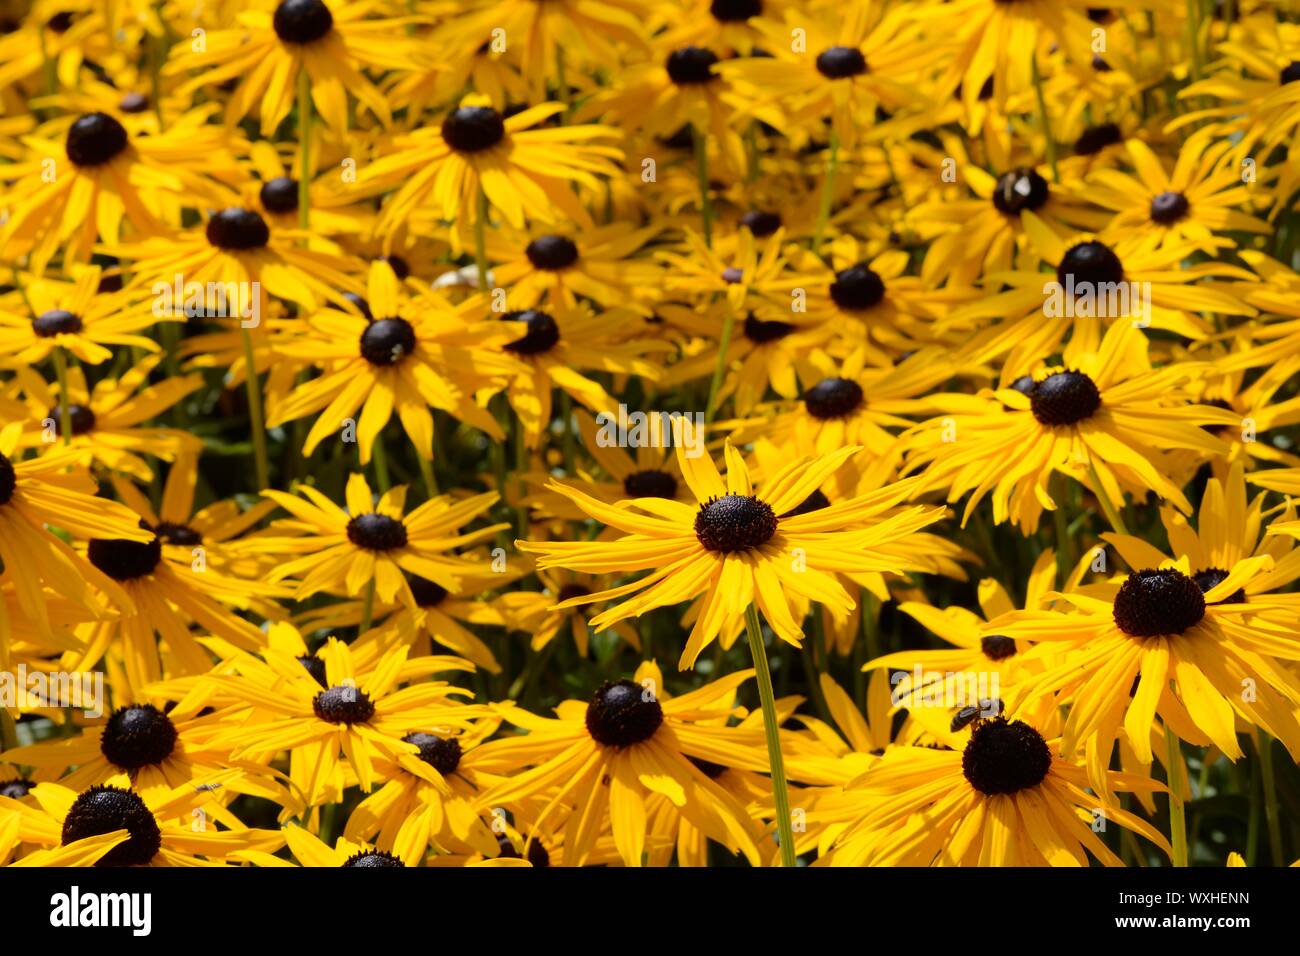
column 65, row 400
column 426, row 472
column 1099, row 490
column 780, row 792
column 480, row 239
column 1050, row 144
column 304, row 148
column 379, row 455
column 1264, row 746
column 828, row 192
column 367, row 607
column 256, row 421
column 701, row 142
column 724, row 346
column 1174, row 773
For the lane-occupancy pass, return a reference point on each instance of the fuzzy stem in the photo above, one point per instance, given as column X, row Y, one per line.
column 828, row 192
column 304, row 148
column 780, row 793
column 701, row 142
column 256, row 422
column 65, row 401
column 1050, row 144
column 1174, row 772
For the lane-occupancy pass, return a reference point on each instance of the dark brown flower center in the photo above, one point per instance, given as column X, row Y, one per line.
column 1003, row 757
column 302, row 21
column 1064, row 398
column 622, row 713
column 101, row 810
column 1153, row 602
column 94, row 139
column 472, row 129
column 735, row 523
column 138, row 735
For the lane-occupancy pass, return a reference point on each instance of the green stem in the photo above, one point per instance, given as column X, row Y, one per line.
column 1050, row 144
column 304, row 148
column 8, row 730
column 780, row 792
column 701, row 142
column 426, row 472
column 379, row 456
column 1177, row 808
column 256, row 422
column 1099, row 490
column 1265, row 747
column 724, row 346
column 367, row 607
column 828, row 192
column 1060, row 522
column 480, row 239
column 1194, row 36
column 65, row 400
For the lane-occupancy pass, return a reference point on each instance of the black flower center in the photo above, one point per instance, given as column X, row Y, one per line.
column 181, row 534
column 1018, row 190
column 620, row 714
column 552, row 252
column 1211, row 578
column 472, row 129
column 238, row 229
column 440, row 753
column 94, row 139
column 833, row 398
column 56, row 322
column 387, row 341
column 997, row 647
column 314, row 666
column 857, row 287
column 124, row 560
column 731, row 275
column 735, row 11
column 1099, row 63
column 1004, row 757
column 377, row 532
column 650, row 484
column 279, row 194
column 61, row 22
column 138, row 735
column 370, row 858
column 80, row 418
column 426, row 593
column 1064, row 398
column 841, row 62
column 344, row 704
column 691, row 65
column 814, row 502
column 101, row 810
column 1291, row 72
column 760, row 331
column 302, row 21
column 8, row 479
column 1090, row 263
column 133, row 103
column 15, row 789
column 761, row 224
column 541, row 336
column 1168, row 208
column 735, row 523
column 1154, row 602
column 1096, row 138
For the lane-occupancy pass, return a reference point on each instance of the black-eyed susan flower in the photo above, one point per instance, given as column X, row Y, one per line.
column 521, row 170
column 113, row 826
column 732, row 546
column 607, row 757
column 1095, row 418
column 371, row 543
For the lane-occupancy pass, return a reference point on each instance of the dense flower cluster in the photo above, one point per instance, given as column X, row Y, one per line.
column 649, row 432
